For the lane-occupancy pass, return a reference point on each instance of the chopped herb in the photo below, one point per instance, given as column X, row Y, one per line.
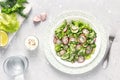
column 13, row 6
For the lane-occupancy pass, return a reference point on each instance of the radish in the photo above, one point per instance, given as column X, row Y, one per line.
column 88, row 50
column 37, row 19
column 65, row 29
column 81, row 59
column 82, row 38
column 65, row 40
column 43, row 16
column 78, row 46
column 72, row 39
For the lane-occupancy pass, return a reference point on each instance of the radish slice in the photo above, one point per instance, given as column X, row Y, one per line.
column 55, row 40
column 65, row 29
column 88, row 50
column 72, row 39
column 43, row 16
column 78, row 46
column 94, row 40
column 65, row 40
column 59, row 41
column 82, row 38
column 62, row 52
column 37, row 19
column 85, row 31
column 81, row 59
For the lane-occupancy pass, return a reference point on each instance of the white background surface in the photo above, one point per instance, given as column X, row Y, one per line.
column 106, row 11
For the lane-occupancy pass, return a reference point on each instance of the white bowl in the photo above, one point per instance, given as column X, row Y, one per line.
column 29, row 46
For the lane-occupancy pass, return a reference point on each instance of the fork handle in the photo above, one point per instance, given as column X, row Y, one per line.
column 106, row 60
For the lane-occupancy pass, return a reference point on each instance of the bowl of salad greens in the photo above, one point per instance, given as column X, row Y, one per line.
column 75, row 41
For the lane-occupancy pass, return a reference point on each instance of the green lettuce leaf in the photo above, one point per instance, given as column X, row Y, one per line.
column 9, row 23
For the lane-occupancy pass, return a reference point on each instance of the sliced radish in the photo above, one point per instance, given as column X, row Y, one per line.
column 78, row 46
column 88, row 50
column 37, row 19
column 65, row 40
column 81, row 59
column 65, row 29
column 55, row 40
column 62, row 52
column 74, row 29
column 94, row 40
column 72, row 39
column 59, row 41
column 85, row 31
column 82, row 38
column 43, row 16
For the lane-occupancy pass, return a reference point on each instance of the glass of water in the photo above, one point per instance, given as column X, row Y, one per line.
column 15, row 66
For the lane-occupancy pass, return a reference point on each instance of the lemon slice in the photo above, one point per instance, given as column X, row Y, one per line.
column 3, row 38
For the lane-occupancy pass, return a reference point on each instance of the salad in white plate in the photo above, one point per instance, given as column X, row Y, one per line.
column 95, row 58
column 74, row 41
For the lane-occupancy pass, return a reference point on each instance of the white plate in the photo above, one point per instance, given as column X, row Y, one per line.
column 100, row 51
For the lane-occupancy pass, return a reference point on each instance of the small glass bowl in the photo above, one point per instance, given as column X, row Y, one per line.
column 15, row 65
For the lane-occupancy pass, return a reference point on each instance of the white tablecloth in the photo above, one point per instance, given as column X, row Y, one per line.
column 106, row 11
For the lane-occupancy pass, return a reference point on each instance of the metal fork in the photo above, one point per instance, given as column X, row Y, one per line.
column 106, row 60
